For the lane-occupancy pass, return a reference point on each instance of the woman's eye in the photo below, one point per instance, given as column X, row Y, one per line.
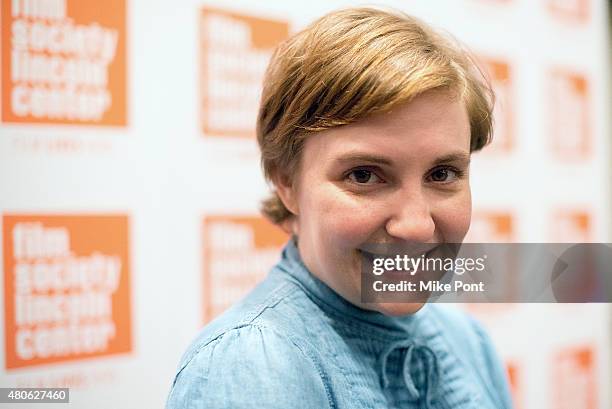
column 363, row 177
column 444, row 175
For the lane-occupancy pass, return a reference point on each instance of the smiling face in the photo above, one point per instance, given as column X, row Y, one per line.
column 394, row 178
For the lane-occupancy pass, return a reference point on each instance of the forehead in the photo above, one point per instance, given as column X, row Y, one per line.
column 431, row 124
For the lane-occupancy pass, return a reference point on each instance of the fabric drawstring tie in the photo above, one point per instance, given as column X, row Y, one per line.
column 428, row 361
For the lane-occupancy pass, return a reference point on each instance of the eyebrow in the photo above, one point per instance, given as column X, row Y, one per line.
column 460, row 157
column 363, row 157
column 454, row 157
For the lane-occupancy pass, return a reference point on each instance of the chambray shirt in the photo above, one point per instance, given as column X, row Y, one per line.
column 295, row 343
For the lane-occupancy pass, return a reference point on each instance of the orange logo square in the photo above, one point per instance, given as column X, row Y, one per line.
column 497, row 226
column 234, row 53
column 574, row 375
column 66, row 288
column 238, row 253
column 499, row 73
column 569, row 115
column 570, row 9
column 64, row 62
column 571, row 226
column 491, row 227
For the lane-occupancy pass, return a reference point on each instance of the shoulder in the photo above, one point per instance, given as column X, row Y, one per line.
column 247, row 367
column 472, row 345
column 247, row 355
column 275, row 305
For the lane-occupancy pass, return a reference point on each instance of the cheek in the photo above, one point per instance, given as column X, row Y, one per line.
column 453, row 218
column 341, row 220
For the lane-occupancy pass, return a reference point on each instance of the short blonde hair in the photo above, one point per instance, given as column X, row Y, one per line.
column 350, row 64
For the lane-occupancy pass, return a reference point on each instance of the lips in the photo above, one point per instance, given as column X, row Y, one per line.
column 393, row 249
column 371, row 251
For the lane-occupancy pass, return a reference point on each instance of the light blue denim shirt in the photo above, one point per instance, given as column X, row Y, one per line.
column 295, row 343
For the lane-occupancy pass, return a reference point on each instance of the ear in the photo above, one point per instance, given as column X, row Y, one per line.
column 286, row 192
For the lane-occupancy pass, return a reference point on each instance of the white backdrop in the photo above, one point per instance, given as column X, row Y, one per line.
column 161, row 177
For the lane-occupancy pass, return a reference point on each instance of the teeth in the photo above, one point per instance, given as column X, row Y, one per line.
column 375, row 255
column 391, row 250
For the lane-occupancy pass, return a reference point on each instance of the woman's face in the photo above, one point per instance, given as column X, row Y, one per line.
column 395, row 178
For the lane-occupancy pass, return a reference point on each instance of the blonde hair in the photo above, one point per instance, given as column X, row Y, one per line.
column 350, row 64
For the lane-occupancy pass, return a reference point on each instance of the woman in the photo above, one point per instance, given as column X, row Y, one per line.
column 366, row 126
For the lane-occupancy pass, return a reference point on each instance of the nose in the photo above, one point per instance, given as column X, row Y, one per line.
column 411, row 218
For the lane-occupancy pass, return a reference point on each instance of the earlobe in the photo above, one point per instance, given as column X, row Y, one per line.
column 287, row 194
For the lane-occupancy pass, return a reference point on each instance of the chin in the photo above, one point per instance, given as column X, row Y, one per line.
column 396, row 309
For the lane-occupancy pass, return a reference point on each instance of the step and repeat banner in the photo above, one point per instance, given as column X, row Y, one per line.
column 130, row 182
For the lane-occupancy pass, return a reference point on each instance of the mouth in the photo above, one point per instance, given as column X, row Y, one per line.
column 372, row 251
column 392, row 250
column 369, row 257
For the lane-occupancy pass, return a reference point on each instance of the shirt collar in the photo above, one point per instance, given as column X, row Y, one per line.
column 291, row 263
